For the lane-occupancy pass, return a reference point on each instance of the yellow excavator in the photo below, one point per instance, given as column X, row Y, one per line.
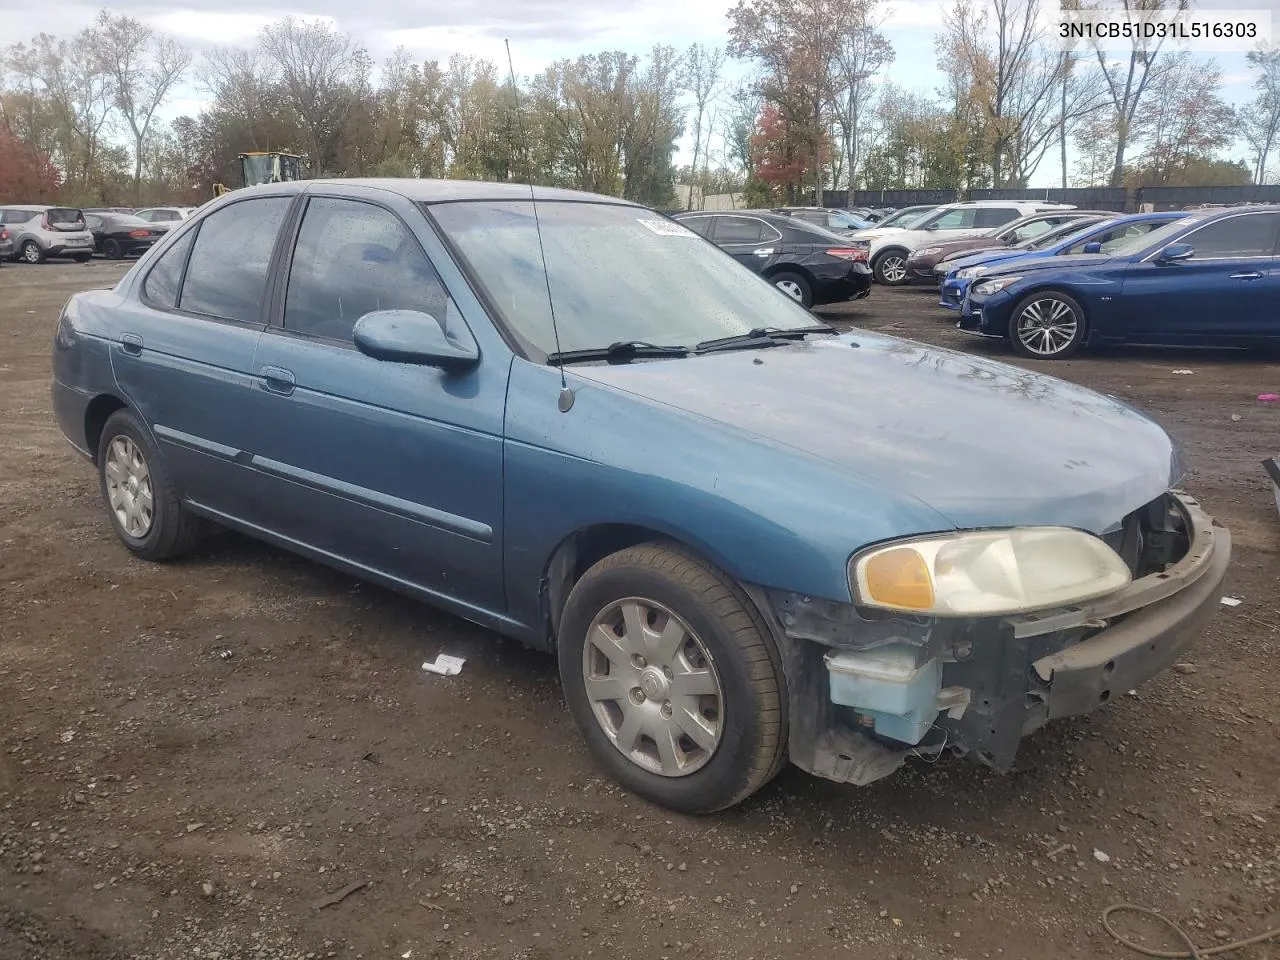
column 265, row 167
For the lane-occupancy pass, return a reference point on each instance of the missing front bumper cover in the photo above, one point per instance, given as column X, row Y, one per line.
column 1019, row 672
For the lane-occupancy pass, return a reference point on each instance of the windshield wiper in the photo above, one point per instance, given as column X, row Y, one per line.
column 761, row 337
column 621, row 351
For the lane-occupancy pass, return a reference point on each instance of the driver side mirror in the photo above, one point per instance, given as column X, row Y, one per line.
column 1094, row 246
column 409, row 336
column 931, row 226
column 1175, row 253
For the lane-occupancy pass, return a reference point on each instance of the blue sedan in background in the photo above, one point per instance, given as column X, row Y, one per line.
column 1210, row 278
column 1100, row 235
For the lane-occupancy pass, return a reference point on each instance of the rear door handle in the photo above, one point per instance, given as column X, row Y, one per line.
column 1250, row 275
column 131, row 343
column 278, row 380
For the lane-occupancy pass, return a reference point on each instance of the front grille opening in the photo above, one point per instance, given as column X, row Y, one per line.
column 1152, row 538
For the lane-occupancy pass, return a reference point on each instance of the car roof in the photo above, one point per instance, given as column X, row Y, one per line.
column 438, row 191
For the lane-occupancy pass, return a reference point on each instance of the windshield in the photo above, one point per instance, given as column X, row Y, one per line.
column 616, row 273
column 1058, row 233
column 819, row 233
column 906, row 218
column 1154, row 238
column 847, row 221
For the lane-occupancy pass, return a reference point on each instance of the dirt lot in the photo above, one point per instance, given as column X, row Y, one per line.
column 160, row 798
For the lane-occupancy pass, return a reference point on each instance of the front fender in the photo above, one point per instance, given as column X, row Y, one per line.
column 764, row 514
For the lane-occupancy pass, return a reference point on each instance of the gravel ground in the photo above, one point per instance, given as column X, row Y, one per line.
column 195, row 754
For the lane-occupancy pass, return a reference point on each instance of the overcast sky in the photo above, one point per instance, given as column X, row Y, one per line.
column 540, row 30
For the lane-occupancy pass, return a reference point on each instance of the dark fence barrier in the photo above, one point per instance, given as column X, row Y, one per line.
column 1179, row 198
column 1119, row 199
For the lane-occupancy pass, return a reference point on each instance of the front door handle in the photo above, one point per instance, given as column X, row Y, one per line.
column 278, row 380
column 131, row 343
column 1250, row 275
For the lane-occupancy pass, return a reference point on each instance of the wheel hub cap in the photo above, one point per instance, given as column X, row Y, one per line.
column 653, row 684
column 653, row 687
column 129, row 490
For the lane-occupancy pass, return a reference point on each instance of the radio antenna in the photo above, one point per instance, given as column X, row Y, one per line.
column 566, row 395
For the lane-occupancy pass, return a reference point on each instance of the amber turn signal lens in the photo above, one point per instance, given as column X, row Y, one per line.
column 899, row 578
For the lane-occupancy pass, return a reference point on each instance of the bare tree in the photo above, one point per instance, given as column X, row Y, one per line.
column 1189, row 126
column 861, row 52
column 701, row 78
column 1260, row 120
column 1012, row 74
column 240, row 80
column 321, row 69
column 79, row 97
column 1129, row 79
column 144, row 67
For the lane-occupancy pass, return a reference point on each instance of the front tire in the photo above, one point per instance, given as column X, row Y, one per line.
column 673, row 679
column 1048, row 325
column 145, row 510
column 795, row 286
column 890, row 268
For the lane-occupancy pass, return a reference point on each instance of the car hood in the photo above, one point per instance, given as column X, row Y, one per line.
column 876, row 233
column 982, row 443
column 951, row 247
column 982, row 258
column 1050, row 263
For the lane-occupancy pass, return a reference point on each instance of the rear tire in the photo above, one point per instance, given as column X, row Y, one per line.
column 144, row 508
column 112, row 250
column 795, row 286
column 714, row 731
column 890, row 267
column 31, row 252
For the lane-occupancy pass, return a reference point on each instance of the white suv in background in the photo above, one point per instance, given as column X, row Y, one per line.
column 890, row 247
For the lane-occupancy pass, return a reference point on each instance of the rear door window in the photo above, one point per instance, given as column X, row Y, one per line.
column 227, row 273
column 739, row 230
column 994, row 216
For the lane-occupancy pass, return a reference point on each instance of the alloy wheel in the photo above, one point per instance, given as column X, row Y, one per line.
column 30, row 252
column 893, row 268
column 1047, row 327
column 653, row 688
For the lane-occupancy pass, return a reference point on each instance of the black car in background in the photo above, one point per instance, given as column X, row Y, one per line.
column 119, row 235
column 804, row 261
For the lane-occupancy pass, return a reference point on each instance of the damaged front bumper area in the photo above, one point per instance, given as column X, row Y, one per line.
column 867, row 693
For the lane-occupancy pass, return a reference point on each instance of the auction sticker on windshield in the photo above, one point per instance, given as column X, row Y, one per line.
column 666, row 228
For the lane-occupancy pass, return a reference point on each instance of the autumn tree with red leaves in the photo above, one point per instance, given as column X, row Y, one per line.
column 26, row 175
column 782, row 160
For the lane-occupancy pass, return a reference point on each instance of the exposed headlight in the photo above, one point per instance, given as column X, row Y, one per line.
column 927, row 252
column 988, row 287
column 968, row 273
column 987, row 573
